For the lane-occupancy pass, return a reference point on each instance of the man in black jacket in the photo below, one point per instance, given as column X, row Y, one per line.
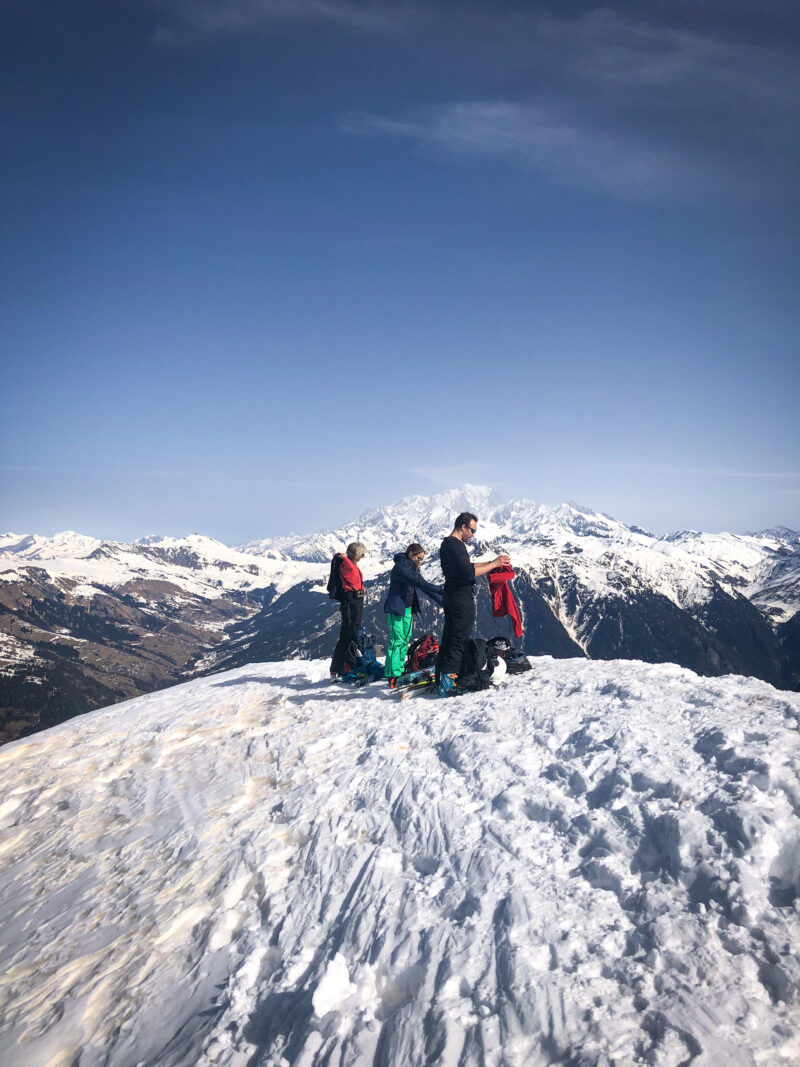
column 459, row 597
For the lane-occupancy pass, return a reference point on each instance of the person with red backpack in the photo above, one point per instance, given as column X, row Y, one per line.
column 402, row 604
column 348, row 580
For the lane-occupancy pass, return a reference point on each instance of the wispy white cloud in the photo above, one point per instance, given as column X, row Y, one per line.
column 567, row 152
column 608, row 47
column 625, row 106
column 186, row 20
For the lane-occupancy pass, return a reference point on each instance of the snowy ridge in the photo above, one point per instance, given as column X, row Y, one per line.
column 575, row 542
column 569, row 541
column 200, row 565
column 595, row 863
column 67, row 544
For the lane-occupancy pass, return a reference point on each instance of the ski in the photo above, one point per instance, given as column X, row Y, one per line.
column 413, row 678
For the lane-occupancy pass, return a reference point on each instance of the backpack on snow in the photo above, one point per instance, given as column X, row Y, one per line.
column 364, row 664
column 335, row 580
column 516, row 661
column 422, row 652
column 477, row 665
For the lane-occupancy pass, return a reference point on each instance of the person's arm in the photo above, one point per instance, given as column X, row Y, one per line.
column 433, row 592
column 415, row 578
column 484, row 568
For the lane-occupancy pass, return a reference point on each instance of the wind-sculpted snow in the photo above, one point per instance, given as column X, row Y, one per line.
column 594, row 863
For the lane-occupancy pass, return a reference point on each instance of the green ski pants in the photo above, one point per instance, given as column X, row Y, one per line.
column 399, row 639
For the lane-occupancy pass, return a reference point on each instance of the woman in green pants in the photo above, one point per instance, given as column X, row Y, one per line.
column 402, row 604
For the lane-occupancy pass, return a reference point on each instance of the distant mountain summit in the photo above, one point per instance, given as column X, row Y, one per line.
column 85, row 622
column 387, row 529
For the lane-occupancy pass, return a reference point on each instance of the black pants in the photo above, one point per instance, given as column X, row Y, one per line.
column 352, row 614
column 459, row 618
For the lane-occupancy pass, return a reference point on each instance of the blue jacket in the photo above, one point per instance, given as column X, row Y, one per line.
column 404, row 581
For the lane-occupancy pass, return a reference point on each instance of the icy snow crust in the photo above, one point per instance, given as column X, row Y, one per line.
column 595, row 863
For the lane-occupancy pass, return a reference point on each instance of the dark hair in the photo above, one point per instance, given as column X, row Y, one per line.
column 414, row 549
column 464, row 519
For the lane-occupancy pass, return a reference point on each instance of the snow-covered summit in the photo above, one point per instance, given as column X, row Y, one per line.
column 594, row 863
column 198, row 564
column 66, row 544
column 777, row 533
column 601, row 551
column 387, row 528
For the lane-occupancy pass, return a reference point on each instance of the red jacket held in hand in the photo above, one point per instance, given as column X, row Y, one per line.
column 503, row 602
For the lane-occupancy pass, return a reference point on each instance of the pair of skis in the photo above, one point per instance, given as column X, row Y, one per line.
column 415, row 682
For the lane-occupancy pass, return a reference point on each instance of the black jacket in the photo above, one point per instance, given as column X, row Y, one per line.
column 459, row 573
column 404, row 581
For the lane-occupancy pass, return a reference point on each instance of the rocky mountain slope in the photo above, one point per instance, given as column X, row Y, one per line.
column 84, row 622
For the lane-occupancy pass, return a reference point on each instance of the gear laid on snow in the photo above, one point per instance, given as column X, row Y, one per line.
column 499, row 672
column 422, row 652
column 516, row 662
column 503, row 602
column 365, row 666
column 476, row 666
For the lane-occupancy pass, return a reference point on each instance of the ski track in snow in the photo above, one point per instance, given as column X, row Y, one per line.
column 591, row 864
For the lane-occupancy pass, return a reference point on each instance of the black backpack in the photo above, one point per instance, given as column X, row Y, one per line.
column 335, row 580
column 477, row 665
column 500, row 644
column 516, row 661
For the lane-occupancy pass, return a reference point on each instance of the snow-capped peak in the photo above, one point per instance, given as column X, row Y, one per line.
column 67, row 544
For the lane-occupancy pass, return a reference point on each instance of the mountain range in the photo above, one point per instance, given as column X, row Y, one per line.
column 85, row 622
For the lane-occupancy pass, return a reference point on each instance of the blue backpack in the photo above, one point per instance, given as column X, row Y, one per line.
column 366, row 666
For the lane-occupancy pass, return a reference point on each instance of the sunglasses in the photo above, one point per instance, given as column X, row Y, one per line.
column 472, row 529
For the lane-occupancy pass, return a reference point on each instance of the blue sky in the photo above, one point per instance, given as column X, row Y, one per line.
column 267, row 263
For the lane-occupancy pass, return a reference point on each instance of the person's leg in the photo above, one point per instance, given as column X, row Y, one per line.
column 406, row 637
column 340, row 652
column 445, row 642
column 352, row 612
column 396, row 650
column 459, row 620
column 354, row 617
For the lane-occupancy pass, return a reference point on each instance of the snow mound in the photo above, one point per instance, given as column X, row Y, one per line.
column 594, row 863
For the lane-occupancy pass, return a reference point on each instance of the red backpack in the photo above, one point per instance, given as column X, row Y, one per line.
column 422, row 653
